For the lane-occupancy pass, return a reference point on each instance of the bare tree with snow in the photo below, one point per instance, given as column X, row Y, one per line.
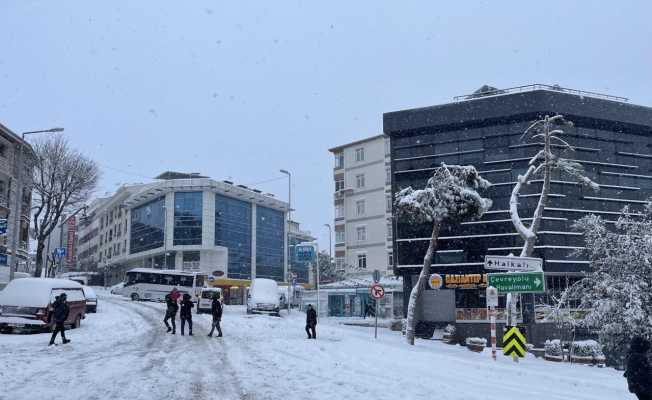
column 63, row 180
column 546, row 132
column 450, row 196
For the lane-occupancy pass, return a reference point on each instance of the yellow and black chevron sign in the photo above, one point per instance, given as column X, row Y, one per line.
column 514, row 342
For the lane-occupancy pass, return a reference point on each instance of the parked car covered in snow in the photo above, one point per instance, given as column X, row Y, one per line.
column 4, row 276
column 26, row 303
column 206, row 299
column 91, row 299
column 263, row 297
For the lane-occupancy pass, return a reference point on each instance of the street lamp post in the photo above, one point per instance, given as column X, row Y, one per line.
column 330, row 242
column 13, row 266
column 287, row 255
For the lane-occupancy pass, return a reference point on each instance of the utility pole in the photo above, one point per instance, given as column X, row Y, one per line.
column 287, row 253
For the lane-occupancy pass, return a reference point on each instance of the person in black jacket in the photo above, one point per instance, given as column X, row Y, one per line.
column 639, row 371
column 186, row 313
column 58, row 316
column 311, row 322
column 216, row 310
column 171, row 313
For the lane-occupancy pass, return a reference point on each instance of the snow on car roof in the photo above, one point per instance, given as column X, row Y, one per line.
column 165, row 271
column 33, row 292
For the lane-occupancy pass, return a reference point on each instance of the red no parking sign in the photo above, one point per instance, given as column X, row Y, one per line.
column 377, row 292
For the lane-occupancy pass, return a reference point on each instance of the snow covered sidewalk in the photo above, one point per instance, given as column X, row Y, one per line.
column 123, row 352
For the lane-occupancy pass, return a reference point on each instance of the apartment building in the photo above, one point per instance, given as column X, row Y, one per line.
column 362, row 203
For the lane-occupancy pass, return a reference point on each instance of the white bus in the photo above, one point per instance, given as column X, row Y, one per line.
column 154, row 284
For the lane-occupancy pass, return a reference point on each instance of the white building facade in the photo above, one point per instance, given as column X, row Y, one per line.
column 362, row 203
column 191, row 223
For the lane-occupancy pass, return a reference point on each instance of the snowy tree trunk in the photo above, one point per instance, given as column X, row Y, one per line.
column 528, row 247
column 415, row 295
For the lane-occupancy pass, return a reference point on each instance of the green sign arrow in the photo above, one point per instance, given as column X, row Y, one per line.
column 518, row 282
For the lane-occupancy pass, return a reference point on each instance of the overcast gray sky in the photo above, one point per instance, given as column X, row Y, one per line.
column 240, row 89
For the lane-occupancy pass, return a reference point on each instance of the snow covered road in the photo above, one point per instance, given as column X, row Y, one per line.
column 123, row 352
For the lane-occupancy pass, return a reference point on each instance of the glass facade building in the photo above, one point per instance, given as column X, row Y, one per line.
column 147, row 226
column 611, row 139
column 187, row 218
column 233, row 230
column 270, row 239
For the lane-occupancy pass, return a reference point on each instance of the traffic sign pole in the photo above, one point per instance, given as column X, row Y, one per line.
column 492, row 320
column 376, row 328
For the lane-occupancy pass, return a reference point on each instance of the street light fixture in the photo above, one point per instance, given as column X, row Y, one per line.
column 19, row 196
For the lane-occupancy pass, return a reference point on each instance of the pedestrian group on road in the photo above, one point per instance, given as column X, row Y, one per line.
column 185, row 314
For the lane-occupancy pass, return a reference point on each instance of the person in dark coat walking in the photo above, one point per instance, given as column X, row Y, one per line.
column 58, row 316
column 311, row 322
column 216, row 310
column 171, row 313
column 639, row 370
column 186, row 313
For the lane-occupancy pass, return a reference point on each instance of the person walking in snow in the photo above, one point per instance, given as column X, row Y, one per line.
column 311, row 322
column 58, row 316
column 186, row 313
column 171, row 312
column 639, row 370
column 216, row 311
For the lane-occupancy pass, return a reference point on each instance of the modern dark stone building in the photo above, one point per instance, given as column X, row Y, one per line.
column 612, row 140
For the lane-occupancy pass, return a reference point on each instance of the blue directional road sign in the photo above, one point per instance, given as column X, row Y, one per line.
column 60, row 252
column 305, row 253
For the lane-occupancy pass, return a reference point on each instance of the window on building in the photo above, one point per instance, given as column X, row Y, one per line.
column 339, row 236
column 361, row 233
column 270, row 243
column 233, row 230
column 360, row 207
column 390, row 260
column 388, row 147
column 389, row 204
column 362, row 261
column 339, row 263
column 339, row 160
column 389, row 230
column 187, row 218
column 110, row 235
column 124, row 247
column 339, row 183
column 388, row 176
column 118, row 248
column 339, row 210
column 101, row 240
column 359, row 181
column 3, row 150
column 191, row 260
column 359, row 154
column 147, row 224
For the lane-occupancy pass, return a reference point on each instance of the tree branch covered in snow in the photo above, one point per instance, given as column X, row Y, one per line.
column 543, row 163
column 450, row 196
column 617, row 293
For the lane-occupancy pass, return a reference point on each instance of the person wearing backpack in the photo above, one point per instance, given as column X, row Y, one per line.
column 186, row 313
column 171, row 312
column 58, row 316
column 216, row 311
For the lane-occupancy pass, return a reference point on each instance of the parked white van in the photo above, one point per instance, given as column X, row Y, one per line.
column 263, row 297
column 206, row 299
